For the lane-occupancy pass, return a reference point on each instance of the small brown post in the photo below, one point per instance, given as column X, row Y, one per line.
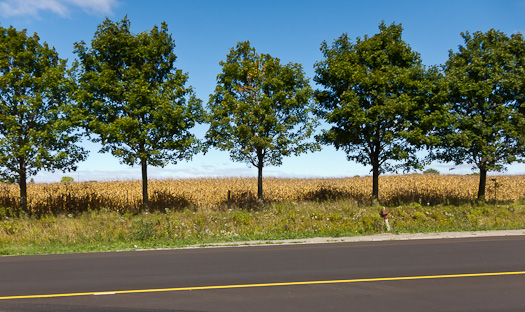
column 229, row 196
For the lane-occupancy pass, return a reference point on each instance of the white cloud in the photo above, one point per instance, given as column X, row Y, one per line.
column 95, row 6
column 63, row 8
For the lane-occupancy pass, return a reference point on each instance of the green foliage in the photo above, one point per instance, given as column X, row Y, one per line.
column 241, row 217
column 105, row 230
column 431, row 171
column 260, row 111
column 140, row 107
column 486, row 102
column 67, row 180
column 376, row 94
column 143, row 229
column 38, row 121
column 135, row 99
column 418, row 215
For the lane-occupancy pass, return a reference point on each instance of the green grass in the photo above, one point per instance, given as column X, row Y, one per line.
column 109, row 231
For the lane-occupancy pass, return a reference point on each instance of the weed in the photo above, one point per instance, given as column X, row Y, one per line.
column 105, row 229
column 143, row 229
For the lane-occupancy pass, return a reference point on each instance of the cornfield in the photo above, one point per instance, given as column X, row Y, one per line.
column 212, row 193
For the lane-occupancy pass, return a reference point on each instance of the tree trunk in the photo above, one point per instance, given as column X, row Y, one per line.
column 375, row 178
column 260, row 183
column 23, row 185
column 145, row 201
column 260, row 165
column 482, row 183
column 375, row 184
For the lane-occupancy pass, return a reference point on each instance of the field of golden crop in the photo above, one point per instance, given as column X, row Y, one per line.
column 211, row 193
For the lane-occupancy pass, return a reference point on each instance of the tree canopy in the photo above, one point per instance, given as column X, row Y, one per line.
column 486, row 102
column 379, row 102
column 260, row 111
column 37, row 122
column 136, row 100
column 375, row 94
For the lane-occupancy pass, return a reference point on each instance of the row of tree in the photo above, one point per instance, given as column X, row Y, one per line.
column 384, row 105
column 380, row 104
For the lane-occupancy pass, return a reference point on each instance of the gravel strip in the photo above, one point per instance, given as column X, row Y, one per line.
column 367, row 238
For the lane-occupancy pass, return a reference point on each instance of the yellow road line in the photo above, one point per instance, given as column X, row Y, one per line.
column 379, row 279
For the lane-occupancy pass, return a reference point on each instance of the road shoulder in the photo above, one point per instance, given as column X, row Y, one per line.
column 365, row 238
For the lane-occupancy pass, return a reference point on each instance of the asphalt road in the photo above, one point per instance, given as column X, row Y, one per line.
column 332, row 277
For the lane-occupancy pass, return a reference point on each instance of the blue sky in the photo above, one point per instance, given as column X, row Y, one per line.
column 205, row 30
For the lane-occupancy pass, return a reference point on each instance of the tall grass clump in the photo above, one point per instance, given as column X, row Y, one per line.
column 107, row 230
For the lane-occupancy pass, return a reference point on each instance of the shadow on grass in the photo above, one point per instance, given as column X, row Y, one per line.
column 162, row 200
column 244, row 200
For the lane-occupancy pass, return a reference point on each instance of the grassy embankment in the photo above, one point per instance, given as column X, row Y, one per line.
column 104, row 216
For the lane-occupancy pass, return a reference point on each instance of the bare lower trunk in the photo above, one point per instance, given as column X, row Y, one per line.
column 145, row 201
column 482, row 183
column 375, row 178
column 260, row 183
column 375, row 185
column 260, row 165
column 23, row 186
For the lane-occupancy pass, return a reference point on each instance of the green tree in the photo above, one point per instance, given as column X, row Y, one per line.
column 67, row 180
column 485, row 99
column 37, row 124
column 260, row 111
column 137, row 102
column 431, row 171
column 375, row 98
